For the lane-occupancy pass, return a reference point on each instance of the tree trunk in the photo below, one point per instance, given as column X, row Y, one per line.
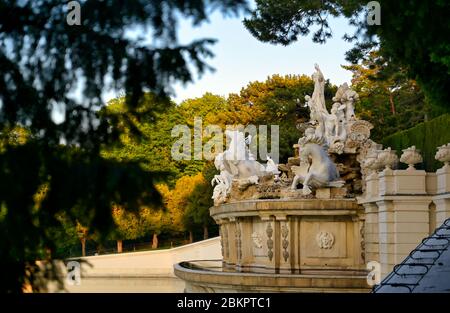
column 391, row 101
column 205, row 232
column 155, row 241
column 191, row 237
column 83, row 246
column 119, row 246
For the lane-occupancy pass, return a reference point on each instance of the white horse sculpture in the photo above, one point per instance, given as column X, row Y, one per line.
column 315, row 170
column 236, row 163
column 238, row 160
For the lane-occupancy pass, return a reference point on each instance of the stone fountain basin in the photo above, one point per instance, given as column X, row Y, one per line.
column 210, row 276
column 291, row 235
column 284, row 207
column 284, row 245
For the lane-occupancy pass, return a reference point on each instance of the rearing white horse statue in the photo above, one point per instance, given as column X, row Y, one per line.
column 238, row 160
column 315, row 170
column 237, row 163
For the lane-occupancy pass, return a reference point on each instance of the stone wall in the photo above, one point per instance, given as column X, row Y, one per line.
column 291, row 236
column 147, row 271
column 401, row 208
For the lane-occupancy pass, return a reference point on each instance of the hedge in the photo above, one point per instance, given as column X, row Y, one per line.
column 425, row 136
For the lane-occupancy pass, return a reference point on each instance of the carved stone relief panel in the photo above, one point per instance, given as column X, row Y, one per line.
column 325, row 239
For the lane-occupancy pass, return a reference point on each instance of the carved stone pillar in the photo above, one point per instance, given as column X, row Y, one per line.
column 442, row 198
column 386, row 182
column 371, row 232
column 403, row 222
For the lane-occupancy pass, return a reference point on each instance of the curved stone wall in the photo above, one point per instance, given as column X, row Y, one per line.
column 292, row 236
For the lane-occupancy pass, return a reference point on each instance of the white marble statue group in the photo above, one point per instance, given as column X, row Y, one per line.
column 238, row 164
column 326, row 133
column 331, row 127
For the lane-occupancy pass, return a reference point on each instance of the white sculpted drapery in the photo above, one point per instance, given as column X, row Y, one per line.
column 318, row 96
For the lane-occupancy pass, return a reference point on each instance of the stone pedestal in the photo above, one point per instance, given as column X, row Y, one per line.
column 331, row 193
column 443, row 179
column 442, row 208
column 402, row 223
column 386, row 182
column 399, row 214
column 409, row 182
column 372, row 185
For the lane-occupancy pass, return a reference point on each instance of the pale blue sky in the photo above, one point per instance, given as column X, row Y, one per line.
column 240, row 58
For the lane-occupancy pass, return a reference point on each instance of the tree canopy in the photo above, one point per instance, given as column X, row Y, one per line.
column 388, row 99
column 412, row 34
column 50, row 69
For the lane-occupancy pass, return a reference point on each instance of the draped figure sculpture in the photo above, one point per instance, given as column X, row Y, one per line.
column 332, row 127
column 327, row 131
column 318, row 96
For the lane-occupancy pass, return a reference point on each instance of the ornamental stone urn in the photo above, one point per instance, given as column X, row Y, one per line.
column 411, row 156
column 443, row 155
column 372, row 163
column 388, row 158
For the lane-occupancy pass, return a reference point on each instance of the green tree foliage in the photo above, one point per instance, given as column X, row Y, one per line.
column 413, row 34
column 179, row 199
column 170, row 221
column 128, row 224
column 43, row 61
column 389, row 100
column 152, row 148
column 14, row 136
column 65, row 237
column 199, row 202
column 66, row 234
column 207, row 108
column 153, row 151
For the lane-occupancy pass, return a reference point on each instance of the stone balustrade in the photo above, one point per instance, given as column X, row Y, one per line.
column 402, row 207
